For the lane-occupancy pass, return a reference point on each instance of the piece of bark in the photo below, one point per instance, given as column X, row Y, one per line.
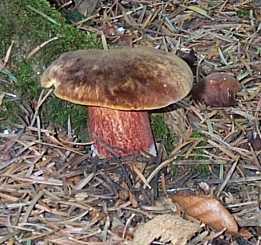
column 165, row 228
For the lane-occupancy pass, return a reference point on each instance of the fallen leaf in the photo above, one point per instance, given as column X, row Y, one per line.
column 166, row 228
column 208, row 210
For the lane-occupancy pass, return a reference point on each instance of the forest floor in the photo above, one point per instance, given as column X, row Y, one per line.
column 53, row 192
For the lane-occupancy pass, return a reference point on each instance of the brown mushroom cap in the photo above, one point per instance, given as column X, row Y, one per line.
column 217, row 89
column 123, row 79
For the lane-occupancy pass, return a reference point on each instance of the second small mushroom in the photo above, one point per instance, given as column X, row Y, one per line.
column 119, row 87
column 218, row 89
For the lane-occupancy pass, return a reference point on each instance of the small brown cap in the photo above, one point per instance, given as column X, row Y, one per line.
column 217, row 89
column 123, row 79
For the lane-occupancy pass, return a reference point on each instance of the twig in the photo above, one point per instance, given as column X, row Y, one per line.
column 228, row 177
column 41, row 100
column 44, row 15
column 39, row 47
column 30, row 208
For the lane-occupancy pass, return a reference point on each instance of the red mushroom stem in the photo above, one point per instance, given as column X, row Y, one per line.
column 120, row 133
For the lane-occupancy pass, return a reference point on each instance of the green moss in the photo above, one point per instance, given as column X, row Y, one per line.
column 243, row 13
column 161, row 131
column 58, row 117
column 29, row 24
column 197, row 135
column 203, row 169
column 198, row 154
column 27, row 79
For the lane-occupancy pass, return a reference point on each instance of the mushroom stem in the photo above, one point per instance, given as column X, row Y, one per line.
column 120, row 133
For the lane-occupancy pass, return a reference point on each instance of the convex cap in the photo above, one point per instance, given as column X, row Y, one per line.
column 123, row 79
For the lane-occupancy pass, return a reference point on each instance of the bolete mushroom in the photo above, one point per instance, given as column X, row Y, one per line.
column 119, row 87
column 217, row 89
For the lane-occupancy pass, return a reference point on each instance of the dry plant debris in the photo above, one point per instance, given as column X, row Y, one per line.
column 208, row 210
column 52, row 191
column 165, row 228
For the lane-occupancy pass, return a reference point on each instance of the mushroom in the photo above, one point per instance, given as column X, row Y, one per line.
column 119, row 87
column 217, row 89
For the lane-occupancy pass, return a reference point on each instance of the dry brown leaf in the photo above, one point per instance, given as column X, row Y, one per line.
column 165, row 228
column 208, row 210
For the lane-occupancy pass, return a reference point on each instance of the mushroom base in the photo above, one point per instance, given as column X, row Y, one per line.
column 120, row 133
